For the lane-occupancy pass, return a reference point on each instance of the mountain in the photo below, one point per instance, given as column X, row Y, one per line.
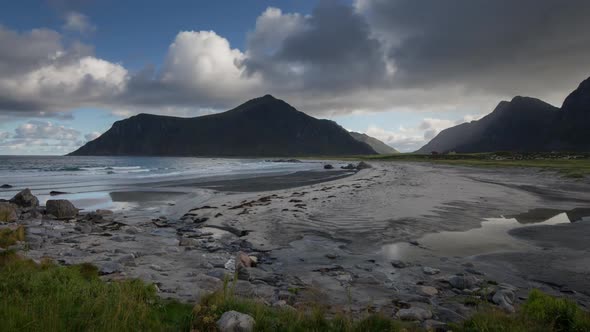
column 523, row 125
column 377, row 145
column 264, row 126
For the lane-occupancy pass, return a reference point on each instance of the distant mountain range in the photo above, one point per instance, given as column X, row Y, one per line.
column 264, row 126
column 377, row 145
column 523, row 125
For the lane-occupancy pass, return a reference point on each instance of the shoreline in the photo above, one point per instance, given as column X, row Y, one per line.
column 325, row 238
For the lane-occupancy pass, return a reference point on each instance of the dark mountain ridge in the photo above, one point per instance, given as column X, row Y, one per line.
column 264, row 126
column 523, row 125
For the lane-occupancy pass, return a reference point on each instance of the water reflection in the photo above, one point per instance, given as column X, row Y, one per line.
column 492, row 236
column 541, row 215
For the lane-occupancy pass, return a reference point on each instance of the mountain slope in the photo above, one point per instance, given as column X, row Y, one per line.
column 523, row 124
column 377, row 145
column 264, row 126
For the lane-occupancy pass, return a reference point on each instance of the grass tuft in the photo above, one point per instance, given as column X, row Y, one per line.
column 9, row 236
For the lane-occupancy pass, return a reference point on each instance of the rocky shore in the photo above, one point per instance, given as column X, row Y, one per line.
column 322, row 243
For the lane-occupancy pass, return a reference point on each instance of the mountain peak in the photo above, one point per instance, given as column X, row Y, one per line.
column 579, row 100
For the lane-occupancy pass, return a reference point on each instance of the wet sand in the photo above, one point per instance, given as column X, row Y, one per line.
column 336, row 241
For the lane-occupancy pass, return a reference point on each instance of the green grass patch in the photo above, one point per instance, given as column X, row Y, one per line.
column 541, row 312
column 10, row 236
column 47, row 297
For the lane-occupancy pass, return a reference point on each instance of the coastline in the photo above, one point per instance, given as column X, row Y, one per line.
column 328, row 240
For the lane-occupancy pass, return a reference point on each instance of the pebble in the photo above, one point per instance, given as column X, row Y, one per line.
column 430, row 271
column 414, row 313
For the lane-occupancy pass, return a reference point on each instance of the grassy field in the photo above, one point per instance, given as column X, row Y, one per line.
column 575, row 165
column 48, row 297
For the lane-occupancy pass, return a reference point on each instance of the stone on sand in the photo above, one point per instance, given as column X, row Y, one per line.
column 414, row 313
column 233, row 321
column 25, row 199
column 61, row 208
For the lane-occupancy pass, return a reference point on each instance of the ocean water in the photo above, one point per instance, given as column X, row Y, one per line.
column 91, row 181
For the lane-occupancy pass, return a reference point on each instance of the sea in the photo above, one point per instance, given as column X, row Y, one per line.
column 102, row 182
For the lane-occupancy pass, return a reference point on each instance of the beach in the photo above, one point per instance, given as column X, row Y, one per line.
column 392, row 236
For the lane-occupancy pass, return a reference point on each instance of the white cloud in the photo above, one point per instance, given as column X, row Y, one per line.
column 92, row 136
column 45, row 130
column 204, row 62
column 78, row 22
column 408, row 139
column 40, row 137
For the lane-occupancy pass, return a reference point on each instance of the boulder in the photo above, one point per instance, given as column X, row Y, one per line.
column 8, row 212
column 505, row 299
column 5, row 186
column 25, row 199
column 328, row 166
column 233, row 321
column 57, row 193
column 61, row 208
column 430, row 270
column 427, row 290
column 414, row 313
column 464, row 282
column 363, row 165
column 349, row 167
column 399, row 264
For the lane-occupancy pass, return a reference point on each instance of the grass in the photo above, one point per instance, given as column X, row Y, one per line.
column 47, row 297
column 541, row 312
column 10, row 236
column 311, row 318
column 573, row 166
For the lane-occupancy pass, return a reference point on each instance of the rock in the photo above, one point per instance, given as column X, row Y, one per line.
column 414, row 243
column 132, row 230
column 434, row 325
column 61, row 208
column 363, row 165
column 102, row 212
column 242, row 263
column 505, row 299
column 254, row 260
column 430, row 271
column 349, row 167
column 399, row 264
column 244, row 259
column 8, row 212
column 5, row 186
column 233, row 321
column 464, row 282
column 127, row 260
column 56, row 193
column 328, row 166
column 414, row 313
column 109, row 268
column 427, row 290
column 25, row 199
column 331, row 256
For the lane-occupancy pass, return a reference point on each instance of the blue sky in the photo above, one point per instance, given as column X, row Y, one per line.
column 353, row 61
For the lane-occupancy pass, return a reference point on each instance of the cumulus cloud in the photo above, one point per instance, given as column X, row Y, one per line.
column 408, row 139
column 40, row 137
column 78, row 22
column 375, row 55
column 38, row 75
column 503, row 47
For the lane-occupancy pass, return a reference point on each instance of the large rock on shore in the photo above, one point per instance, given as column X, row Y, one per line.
column 61, row 208
column 25, row 199
column 7, row 212
column 233, row 321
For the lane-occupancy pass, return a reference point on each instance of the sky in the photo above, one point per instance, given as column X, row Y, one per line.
column 398, row 70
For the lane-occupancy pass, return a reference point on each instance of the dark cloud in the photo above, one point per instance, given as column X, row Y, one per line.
column 505, row 46
column 330, row 50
